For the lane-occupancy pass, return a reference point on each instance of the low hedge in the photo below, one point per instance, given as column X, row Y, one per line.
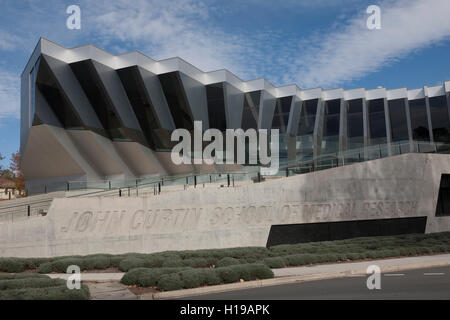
column 146, row 277
column 274, row 257
column 49, row 293
column 38, row 287
column 167, row 279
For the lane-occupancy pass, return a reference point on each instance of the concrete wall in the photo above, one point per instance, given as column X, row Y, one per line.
column 400, row 186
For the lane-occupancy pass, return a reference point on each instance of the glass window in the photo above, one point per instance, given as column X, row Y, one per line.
column 355, row 124
column 439, row 119
column 93, row 88
column 419, row 120
column 330, row 141
column 377, row 121
column 216, row 106
column 281, row 114
column 55, row 97
column 155, row 136
column 176, row 99
column 305, row 140
column 250, row 113
column 399, row 124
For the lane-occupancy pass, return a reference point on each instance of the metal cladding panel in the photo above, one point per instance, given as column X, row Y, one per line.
column 267, row 109
column 50, row 153
column 234, row 105
column 73, row 91
column 196, row 96
column 118, row 97
column 100, row 153
column 156, row 95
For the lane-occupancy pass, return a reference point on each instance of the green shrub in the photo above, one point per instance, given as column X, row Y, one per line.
column 131, row 263
column 197, row 262
column 227, row 261
column 173, row 262
column 49, row 293
column 30, row 283
column 171, row 281
column 275, row 262
column 153, row 261
column 61, row 265
column 146, row 277
column 228, row 274
column 12, row 265
column 210, row 277
column 191, row 279
column 45, row 268
column 96, row 263
column 23, row 276
column 259, row 271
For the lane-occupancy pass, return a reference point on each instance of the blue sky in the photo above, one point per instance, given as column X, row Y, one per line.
column 321, row 43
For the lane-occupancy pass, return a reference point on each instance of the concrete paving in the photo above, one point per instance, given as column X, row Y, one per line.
column 110, row 291
column 90, row 276
column 361, row 267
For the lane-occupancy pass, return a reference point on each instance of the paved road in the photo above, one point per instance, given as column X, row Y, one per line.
column 430, row 283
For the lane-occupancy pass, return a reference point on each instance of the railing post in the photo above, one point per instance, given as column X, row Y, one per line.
column 195, row 181
column 120, row 192
column 159, row 187
column 68, row 186
column 228, row 179
column 287, row 172
column 109, row 183
column 233, row 180
column 29, row 210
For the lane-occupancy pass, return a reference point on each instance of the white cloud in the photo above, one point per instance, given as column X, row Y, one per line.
column 9, row 95
column 8, row 41
column 352, row 51
column 164, row 29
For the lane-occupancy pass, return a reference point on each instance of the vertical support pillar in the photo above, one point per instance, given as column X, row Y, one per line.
column 408, row 122
column 342, row 130
column 387, row 119
column 430, row 124
column 318, row 129
column 366, row 127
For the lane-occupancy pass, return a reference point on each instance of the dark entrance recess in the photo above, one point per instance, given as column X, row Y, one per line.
column 328, row 231
column 443, row 203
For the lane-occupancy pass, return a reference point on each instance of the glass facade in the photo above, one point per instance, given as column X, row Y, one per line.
column 216, row 106
column 281, row 114
column 305, row 131
column 377, row 121
column 330, row 141
column 176, row 99
column 31, row 93
column 156, row 137
column 250, row 113
column 419, row 120
column 355, row 124
column 439, row 119
column 55, row 97
column 397, row 115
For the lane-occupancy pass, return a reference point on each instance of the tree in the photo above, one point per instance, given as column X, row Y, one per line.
column 15, row 167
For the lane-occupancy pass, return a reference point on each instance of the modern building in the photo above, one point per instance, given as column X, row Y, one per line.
column 88, row 115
